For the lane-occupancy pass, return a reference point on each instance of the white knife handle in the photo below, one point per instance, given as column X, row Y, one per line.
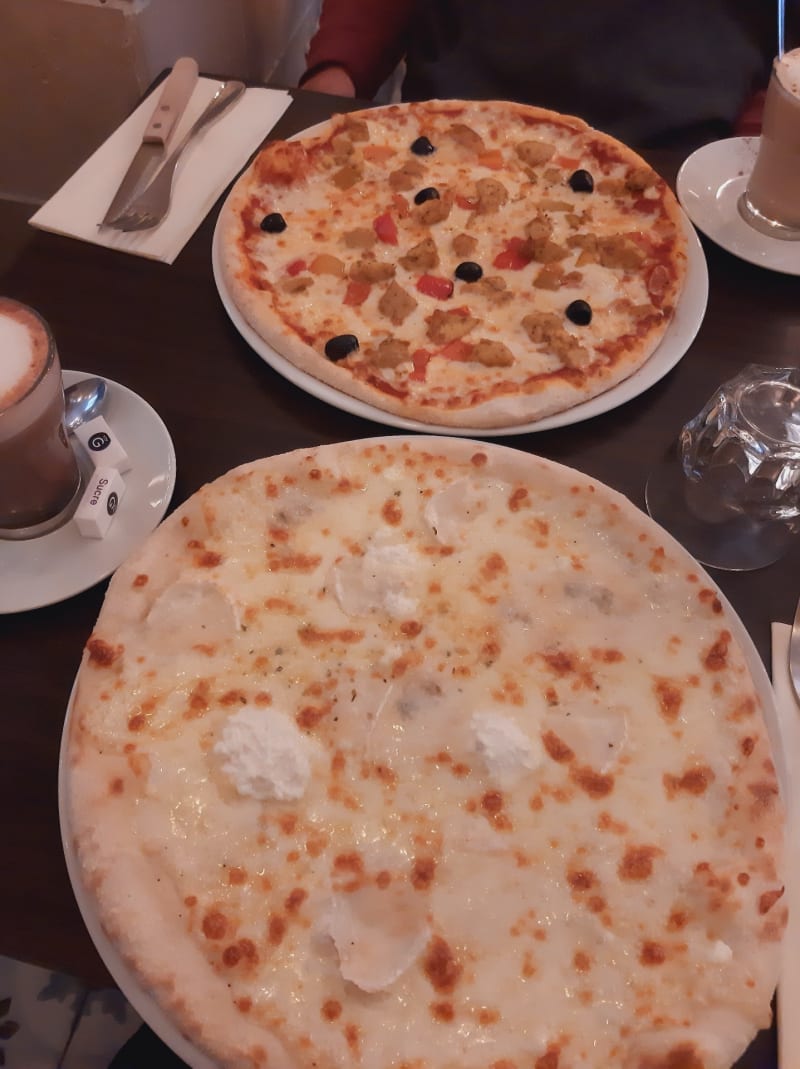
column 174, row 95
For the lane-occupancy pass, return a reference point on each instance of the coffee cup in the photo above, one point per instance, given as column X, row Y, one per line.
column 40, row 480
column 771, row 201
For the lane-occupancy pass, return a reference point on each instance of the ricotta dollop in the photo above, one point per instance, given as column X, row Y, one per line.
column 264, row 755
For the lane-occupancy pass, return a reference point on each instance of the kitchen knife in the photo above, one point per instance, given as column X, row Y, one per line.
column 794, row 653
column 175, row 94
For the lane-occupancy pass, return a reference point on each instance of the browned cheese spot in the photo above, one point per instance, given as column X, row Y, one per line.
column 242, row 951
column 422, row 872
column 709, row 597
column 295, row 899
column 595, row 784
column 637, row 862
column 215, row 924
column 276, row 929
column 392, row 513
column 101, row 653
column 548, row 1060
column 442, row 1011
column 440, row 966
column 681, row 1056
column 652, row 953
column 314, row 636
column 331, row 1009
column 556, row 748
column 670, row 698
column 140, row 580
column 764, row 794
column 208, row 559
column 694, row 781
column 716, row 658
column 519, row 499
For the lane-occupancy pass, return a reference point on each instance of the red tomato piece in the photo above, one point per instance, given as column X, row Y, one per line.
column 512, row 257
column 567, row 161
column 433, row 286
column 466, row 203
column 386, row 229
column 295, row 267
column 420, row 360
column 456, row 350
column 646, row 204
column 493, row 159
column 356, row 293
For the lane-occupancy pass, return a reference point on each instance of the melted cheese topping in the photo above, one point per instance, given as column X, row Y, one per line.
column 313, row 299
column 538, row 823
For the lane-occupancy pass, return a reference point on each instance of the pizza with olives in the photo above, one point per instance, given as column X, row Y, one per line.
column 469, row 264
column 420, row 752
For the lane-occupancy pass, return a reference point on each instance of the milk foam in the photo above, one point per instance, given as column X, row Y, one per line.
column 23, row 350
column 787, row 69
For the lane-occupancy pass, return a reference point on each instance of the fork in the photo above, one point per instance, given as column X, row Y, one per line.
column 150, row 207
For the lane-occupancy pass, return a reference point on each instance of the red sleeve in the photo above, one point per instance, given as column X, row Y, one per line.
column 366, row 37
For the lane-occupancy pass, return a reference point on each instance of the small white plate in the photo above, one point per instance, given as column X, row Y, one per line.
column 42, row 571
column 709, row 185
column 677, row 338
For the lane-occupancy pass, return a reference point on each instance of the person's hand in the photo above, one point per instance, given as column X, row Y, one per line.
column 333, row 80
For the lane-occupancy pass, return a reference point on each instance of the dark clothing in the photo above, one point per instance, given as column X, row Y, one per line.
column 640, row 71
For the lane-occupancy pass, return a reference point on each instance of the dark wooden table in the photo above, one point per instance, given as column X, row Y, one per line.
column 163, row 332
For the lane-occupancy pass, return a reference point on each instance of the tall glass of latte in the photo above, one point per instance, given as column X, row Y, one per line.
column 771, row 202
column 39, row 475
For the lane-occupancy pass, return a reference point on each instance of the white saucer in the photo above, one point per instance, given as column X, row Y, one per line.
column 55, row 566
column 709, row 185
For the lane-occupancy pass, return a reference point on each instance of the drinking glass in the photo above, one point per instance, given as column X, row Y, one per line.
column 40, row 480
column 771, row 201
column 729, row 490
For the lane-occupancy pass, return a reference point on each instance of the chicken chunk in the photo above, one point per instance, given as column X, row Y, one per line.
column 491, row 353
column 422, row 257
column 390, row 353
column 396, row 304
column 444, row 327
column 371, row 271
column 533, row 153
column 491, row 195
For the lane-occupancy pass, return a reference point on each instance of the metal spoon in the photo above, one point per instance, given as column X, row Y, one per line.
column 83, row 401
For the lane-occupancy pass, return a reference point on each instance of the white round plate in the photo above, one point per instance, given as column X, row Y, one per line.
column 709, row 185
column 44, row 570
column 143, row 1001
column 678, row 337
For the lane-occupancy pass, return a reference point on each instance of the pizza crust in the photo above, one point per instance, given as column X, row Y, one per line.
column 524, row 394
column 367, row 586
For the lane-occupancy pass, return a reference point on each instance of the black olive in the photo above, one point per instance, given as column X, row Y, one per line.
column 341, row 346
column 274, row 223
column 580, row 313
column 422, row 147
column 429, row 193
column 469, row 271
column 581, row 182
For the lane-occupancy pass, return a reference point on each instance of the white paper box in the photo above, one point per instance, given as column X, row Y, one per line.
column 102, row 446
column 100, row 502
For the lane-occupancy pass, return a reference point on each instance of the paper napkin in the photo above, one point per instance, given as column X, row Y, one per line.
column 788, row 712
column 208, row 164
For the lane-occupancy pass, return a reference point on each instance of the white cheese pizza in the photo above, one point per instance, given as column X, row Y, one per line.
column 471, row 264
column 420, row 752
